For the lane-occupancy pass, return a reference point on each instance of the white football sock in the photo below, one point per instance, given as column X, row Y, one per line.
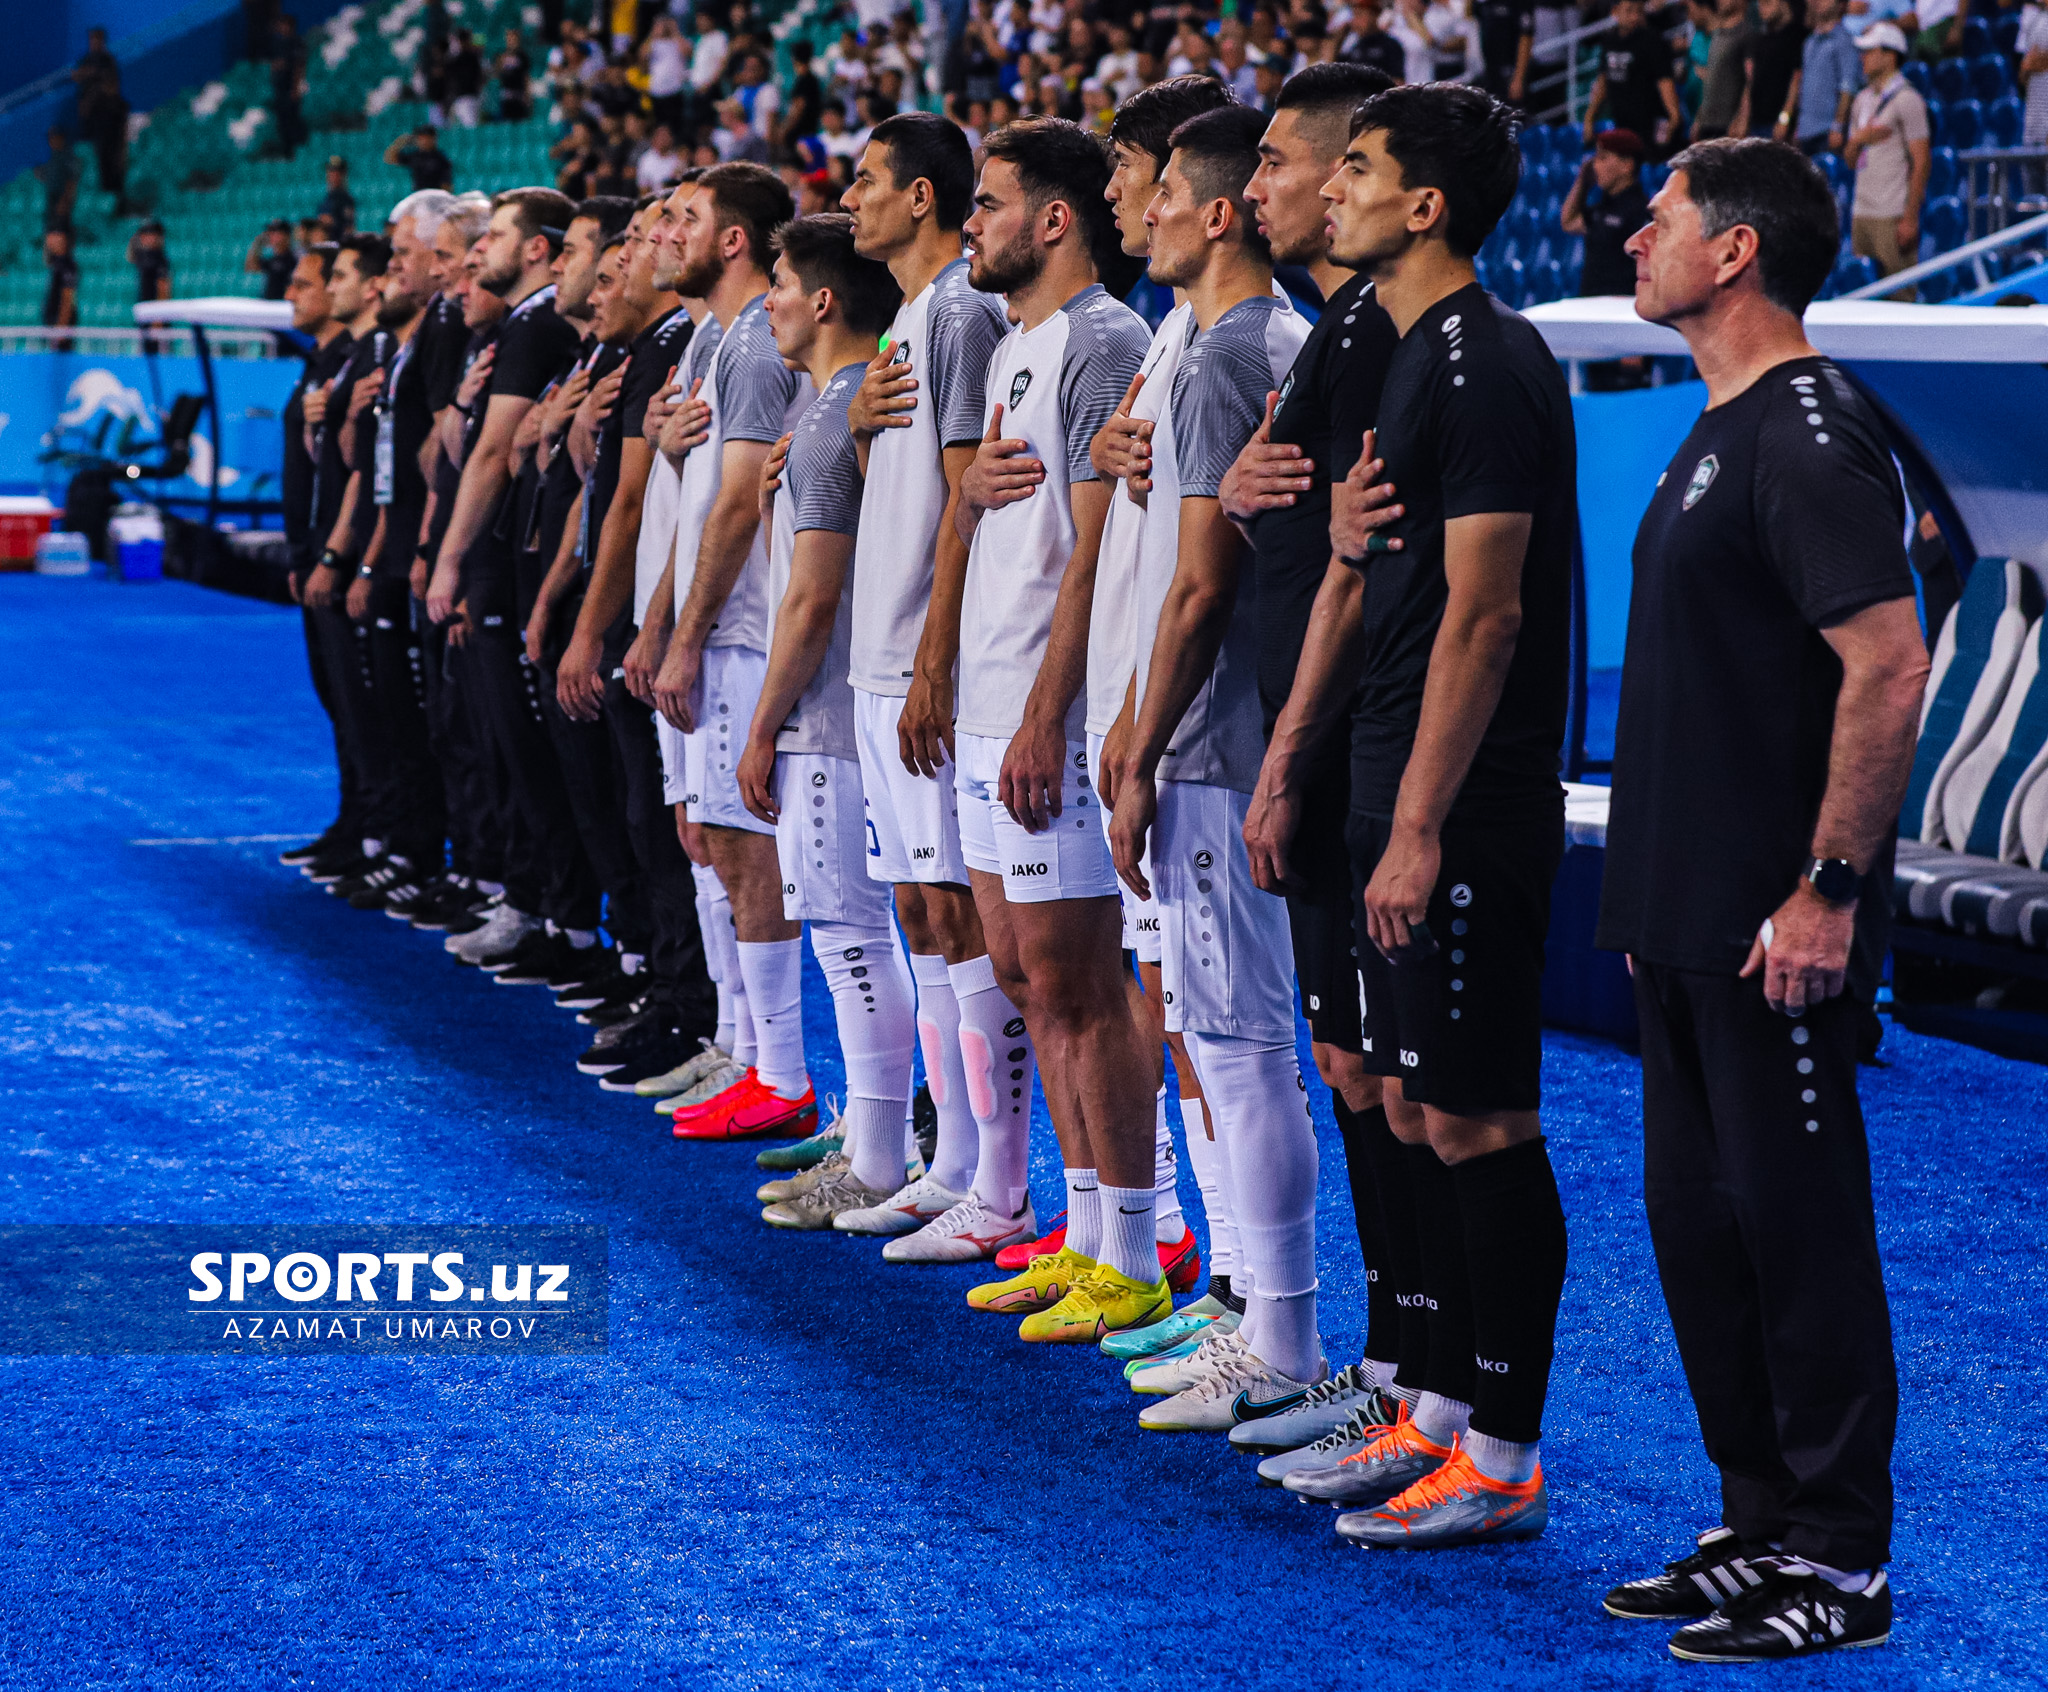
column 1206, row 1157
column 1129, row 1244
column 774, row 972
column 1439, row 1419
column 873, row 1007
column 938, row 1032
column 1166, row 1216
column 1503, row 1459
column 998, row 1062
column 1084, row 1214
column 1254, row 1093
column 708, row 892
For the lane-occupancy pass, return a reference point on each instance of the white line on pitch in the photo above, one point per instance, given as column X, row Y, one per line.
column 221, row 840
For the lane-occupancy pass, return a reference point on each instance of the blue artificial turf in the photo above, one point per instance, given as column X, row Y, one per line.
column 796, row 1467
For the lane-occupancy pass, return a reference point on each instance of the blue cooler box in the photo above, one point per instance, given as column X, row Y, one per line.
column 140, row 561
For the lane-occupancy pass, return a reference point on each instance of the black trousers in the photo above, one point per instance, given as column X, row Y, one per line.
column 472, row 801
column 676, row 960
column 331, row 659
column 407, row 811
column 549, row 852
column 1756, row 1175
column 594, row 784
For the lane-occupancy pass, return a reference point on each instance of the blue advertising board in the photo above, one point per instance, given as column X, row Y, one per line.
column 56, row 407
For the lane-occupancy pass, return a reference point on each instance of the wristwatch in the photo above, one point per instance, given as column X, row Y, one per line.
column 1835, row 880
column 365, row 570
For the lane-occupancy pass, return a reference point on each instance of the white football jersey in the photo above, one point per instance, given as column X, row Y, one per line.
column 1057, row 385
column 946, row 336
column 753, row 396
column 1218, row 398
column 1113, row 623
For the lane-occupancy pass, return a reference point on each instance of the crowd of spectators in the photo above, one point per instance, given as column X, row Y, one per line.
column 636, row 93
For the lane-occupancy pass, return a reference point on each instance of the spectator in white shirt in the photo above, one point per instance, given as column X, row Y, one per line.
column 2033, row 50
column 707, row 63
column 661, row 164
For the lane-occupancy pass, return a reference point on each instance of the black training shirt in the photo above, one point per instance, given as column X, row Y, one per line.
column 1610, row 220
column 334, row 474
column 443, row 351
column 1780, row 516
column 658, row 350
column 1475, row 419
column 1634, row 63
column 1329, row 399
column 1502, row 24
column 531, row 345
column 298, row 477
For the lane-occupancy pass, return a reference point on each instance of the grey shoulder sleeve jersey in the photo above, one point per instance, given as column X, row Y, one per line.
column 961, row 331
column 1106, row 343
column 823, row 473
column 1219, row 396
column 754, row 385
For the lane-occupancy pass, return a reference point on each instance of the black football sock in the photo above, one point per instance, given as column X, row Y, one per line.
column 1446, row 1289
column 1515, row 1254
column 1365, row 1134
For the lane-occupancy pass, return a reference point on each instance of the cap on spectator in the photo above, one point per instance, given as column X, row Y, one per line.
column 336, row 162
column 1625, row 142
column 1886, row 35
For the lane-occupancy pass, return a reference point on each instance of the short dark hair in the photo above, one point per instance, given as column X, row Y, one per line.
column 1146, row 121
column 923, row 144
column 373, row 253
column 610, row 212
column 1218, row 152
column 753, row 197
column 1775, row 189
column 540, row 211
column 1325, row 96
column 820, row 251
column 1457, row 140
column 1056, row 159
column 326, row 252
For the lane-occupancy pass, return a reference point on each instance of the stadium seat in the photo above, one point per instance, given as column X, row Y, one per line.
column 1536, row 145
column 1974, row 659
column 1990, row 77
column 1567, row 144
column 1917, row 73
column 1508, row 283
column 1546, row 282
column 1830, row 166
column 1852, row 272
column 2005, row 118
column 1976, row 38
column 1951, row 81
column 1962, row 125
column 1942, row 171
column 1526, row 226
column 2005, row 34
column 1945, row 223
column 2002, row 776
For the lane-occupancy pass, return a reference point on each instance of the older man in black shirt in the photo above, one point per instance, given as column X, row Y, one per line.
column 1770, row 700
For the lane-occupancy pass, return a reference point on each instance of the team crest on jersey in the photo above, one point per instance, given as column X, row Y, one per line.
column 1703, row 474
column 900, row 353
column 1020, row 385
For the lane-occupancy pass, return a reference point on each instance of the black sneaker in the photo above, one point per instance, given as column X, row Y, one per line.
column 1724, row 1567
column 428, row 907
column 465, row 915
column 624, row 999
column 626, row 1042
column 395, row 880
column 537, row 963
column 594, row 966
column 533, row 950
column 657, row 1057
column 347, row 887
column 345, row 863
column 335, row 835
column 1794, row 1613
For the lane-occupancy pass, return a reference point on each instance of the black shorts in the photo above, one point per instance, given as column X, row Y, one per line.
column 1325, row 938
column 1463, row 1028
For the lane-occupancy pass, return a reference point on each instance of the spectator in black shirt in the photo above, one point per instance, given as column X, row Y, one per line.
column 103, row 113
column 1772, row 58
column 338, row 205
column 288, row 85
column 514, row 71
column 1507, row 36
column 60, row 298
column 465, row 80
column 1607, row 205
column 1770, row 701
column 419, row 155
column 59, row 175
column 1371, row 46
column 1457, row 818
column 271, row 254
column 152, row 268
column 1635, row 87
column 806, row 96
